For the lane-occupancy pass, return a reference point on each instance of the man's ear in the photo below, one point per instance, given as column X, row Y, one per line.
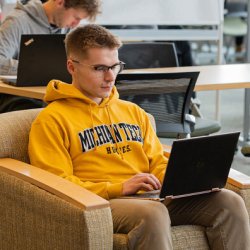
column 60, row 3
column 70, row 66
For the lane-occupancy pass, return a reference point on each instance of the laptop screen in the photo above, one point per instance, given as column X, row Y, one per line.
column 41, row 59
column 199, row 164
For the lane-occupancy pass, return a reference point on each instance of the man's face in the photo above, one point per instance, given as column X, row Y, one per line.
column 69, row 18
column 93, row 83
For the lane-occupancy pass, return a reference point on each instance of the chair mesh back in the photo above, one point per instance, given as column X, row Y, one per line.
column 163, row 98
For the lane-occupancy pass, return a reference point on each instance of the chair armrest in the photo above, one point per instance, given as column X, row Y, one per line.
column 238, row 179
column 195, row 110
column 240, row 184
column 63, row 214
column 54, row 184
column 166, row 150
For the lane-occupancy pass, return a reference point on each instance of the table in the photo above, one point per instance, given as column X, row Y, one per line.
column 212, row 77
column 33, row 92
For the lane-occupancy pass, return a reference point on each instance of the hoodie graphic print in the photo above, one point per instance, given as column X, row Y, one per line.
column 95, row 146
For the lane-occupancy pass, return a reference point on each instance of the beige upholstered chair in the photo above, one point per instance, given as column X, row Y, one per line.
column 39, row 210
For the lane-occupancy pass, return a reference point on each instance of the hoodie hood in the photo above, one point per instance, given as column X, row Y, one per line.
column 34, row 9
column 57, row 90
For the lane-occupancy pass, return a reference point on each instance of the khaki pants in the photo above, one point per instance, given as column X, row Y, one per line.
column 147, row 223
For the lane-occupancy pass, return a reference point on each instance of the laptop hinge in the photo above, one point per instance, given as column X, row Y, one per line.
column 172, row 197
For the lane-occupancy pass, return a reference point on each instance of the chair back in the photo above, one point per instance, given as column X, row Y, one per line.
column 14, row 129
column 166, row 96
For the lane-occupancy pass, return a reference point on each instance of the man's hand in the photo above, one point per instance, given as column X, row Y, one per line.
column 143, row 181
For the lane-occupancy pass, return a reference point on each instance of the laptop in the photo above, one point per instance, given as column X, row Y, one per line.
column 41, row 59
column 196, row 166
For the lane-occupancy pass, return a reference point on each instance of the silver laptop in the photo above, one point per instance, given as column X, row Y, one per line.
column 41, row 59
column 196, row 166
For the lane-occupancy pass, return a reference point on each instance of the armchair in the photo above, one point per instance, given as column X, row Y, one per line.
column 39, row 210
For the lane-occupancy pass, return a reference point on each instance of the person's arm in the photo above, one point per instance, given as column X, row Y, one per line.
column 10, row 36
column 154, row 151
column 157, row 162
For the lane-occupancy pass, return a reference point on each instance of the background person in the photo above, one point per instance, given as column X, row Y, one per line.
column 35, row 17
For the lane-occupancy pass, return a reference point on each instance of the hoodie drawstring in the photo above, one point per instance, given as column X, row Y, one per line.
column 111, row 130
column 93, row 127
column 113, row 133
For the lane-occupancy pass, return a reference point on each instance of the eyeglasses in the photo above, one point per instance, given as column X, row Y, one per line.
column 101, row 69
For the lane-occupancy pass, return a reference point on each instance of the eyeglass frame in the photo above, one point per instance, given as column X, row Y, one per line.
column 106, row 68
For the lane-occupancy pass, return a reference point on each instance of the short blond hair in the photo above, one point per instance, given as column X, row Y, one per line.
column 81, row 39
column 92, row 7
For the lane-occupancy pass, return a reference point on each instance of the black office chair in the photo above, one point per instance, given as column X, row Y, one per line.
column 138, row 55
column 166, row 96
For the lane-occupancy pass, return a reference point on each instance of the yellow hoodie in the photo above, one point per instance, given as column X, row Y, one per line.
column 95, row 146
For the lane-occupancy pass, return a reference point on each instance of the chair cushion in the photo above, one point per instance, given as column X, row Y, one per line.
column 202, row 127
column 14, row 130
column 184, row 237
column 205, row 127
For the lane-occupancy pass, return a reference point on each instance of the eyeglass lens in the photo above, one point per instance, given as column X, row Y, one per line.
column 117, row 68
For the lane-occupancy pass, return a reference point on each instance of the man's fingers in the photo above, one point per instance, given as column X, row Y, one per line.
column 156, row 181
column 146, row 187
column 142, row 181
column 150, row 179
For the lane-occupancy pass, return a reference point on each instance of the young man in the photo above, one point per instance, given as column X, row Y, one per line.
column 51, row 17
column 108, row 146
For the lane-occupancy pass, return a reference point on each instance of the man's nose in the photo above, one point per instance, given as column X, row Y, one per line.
column 109, row 75
column 75, row 23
